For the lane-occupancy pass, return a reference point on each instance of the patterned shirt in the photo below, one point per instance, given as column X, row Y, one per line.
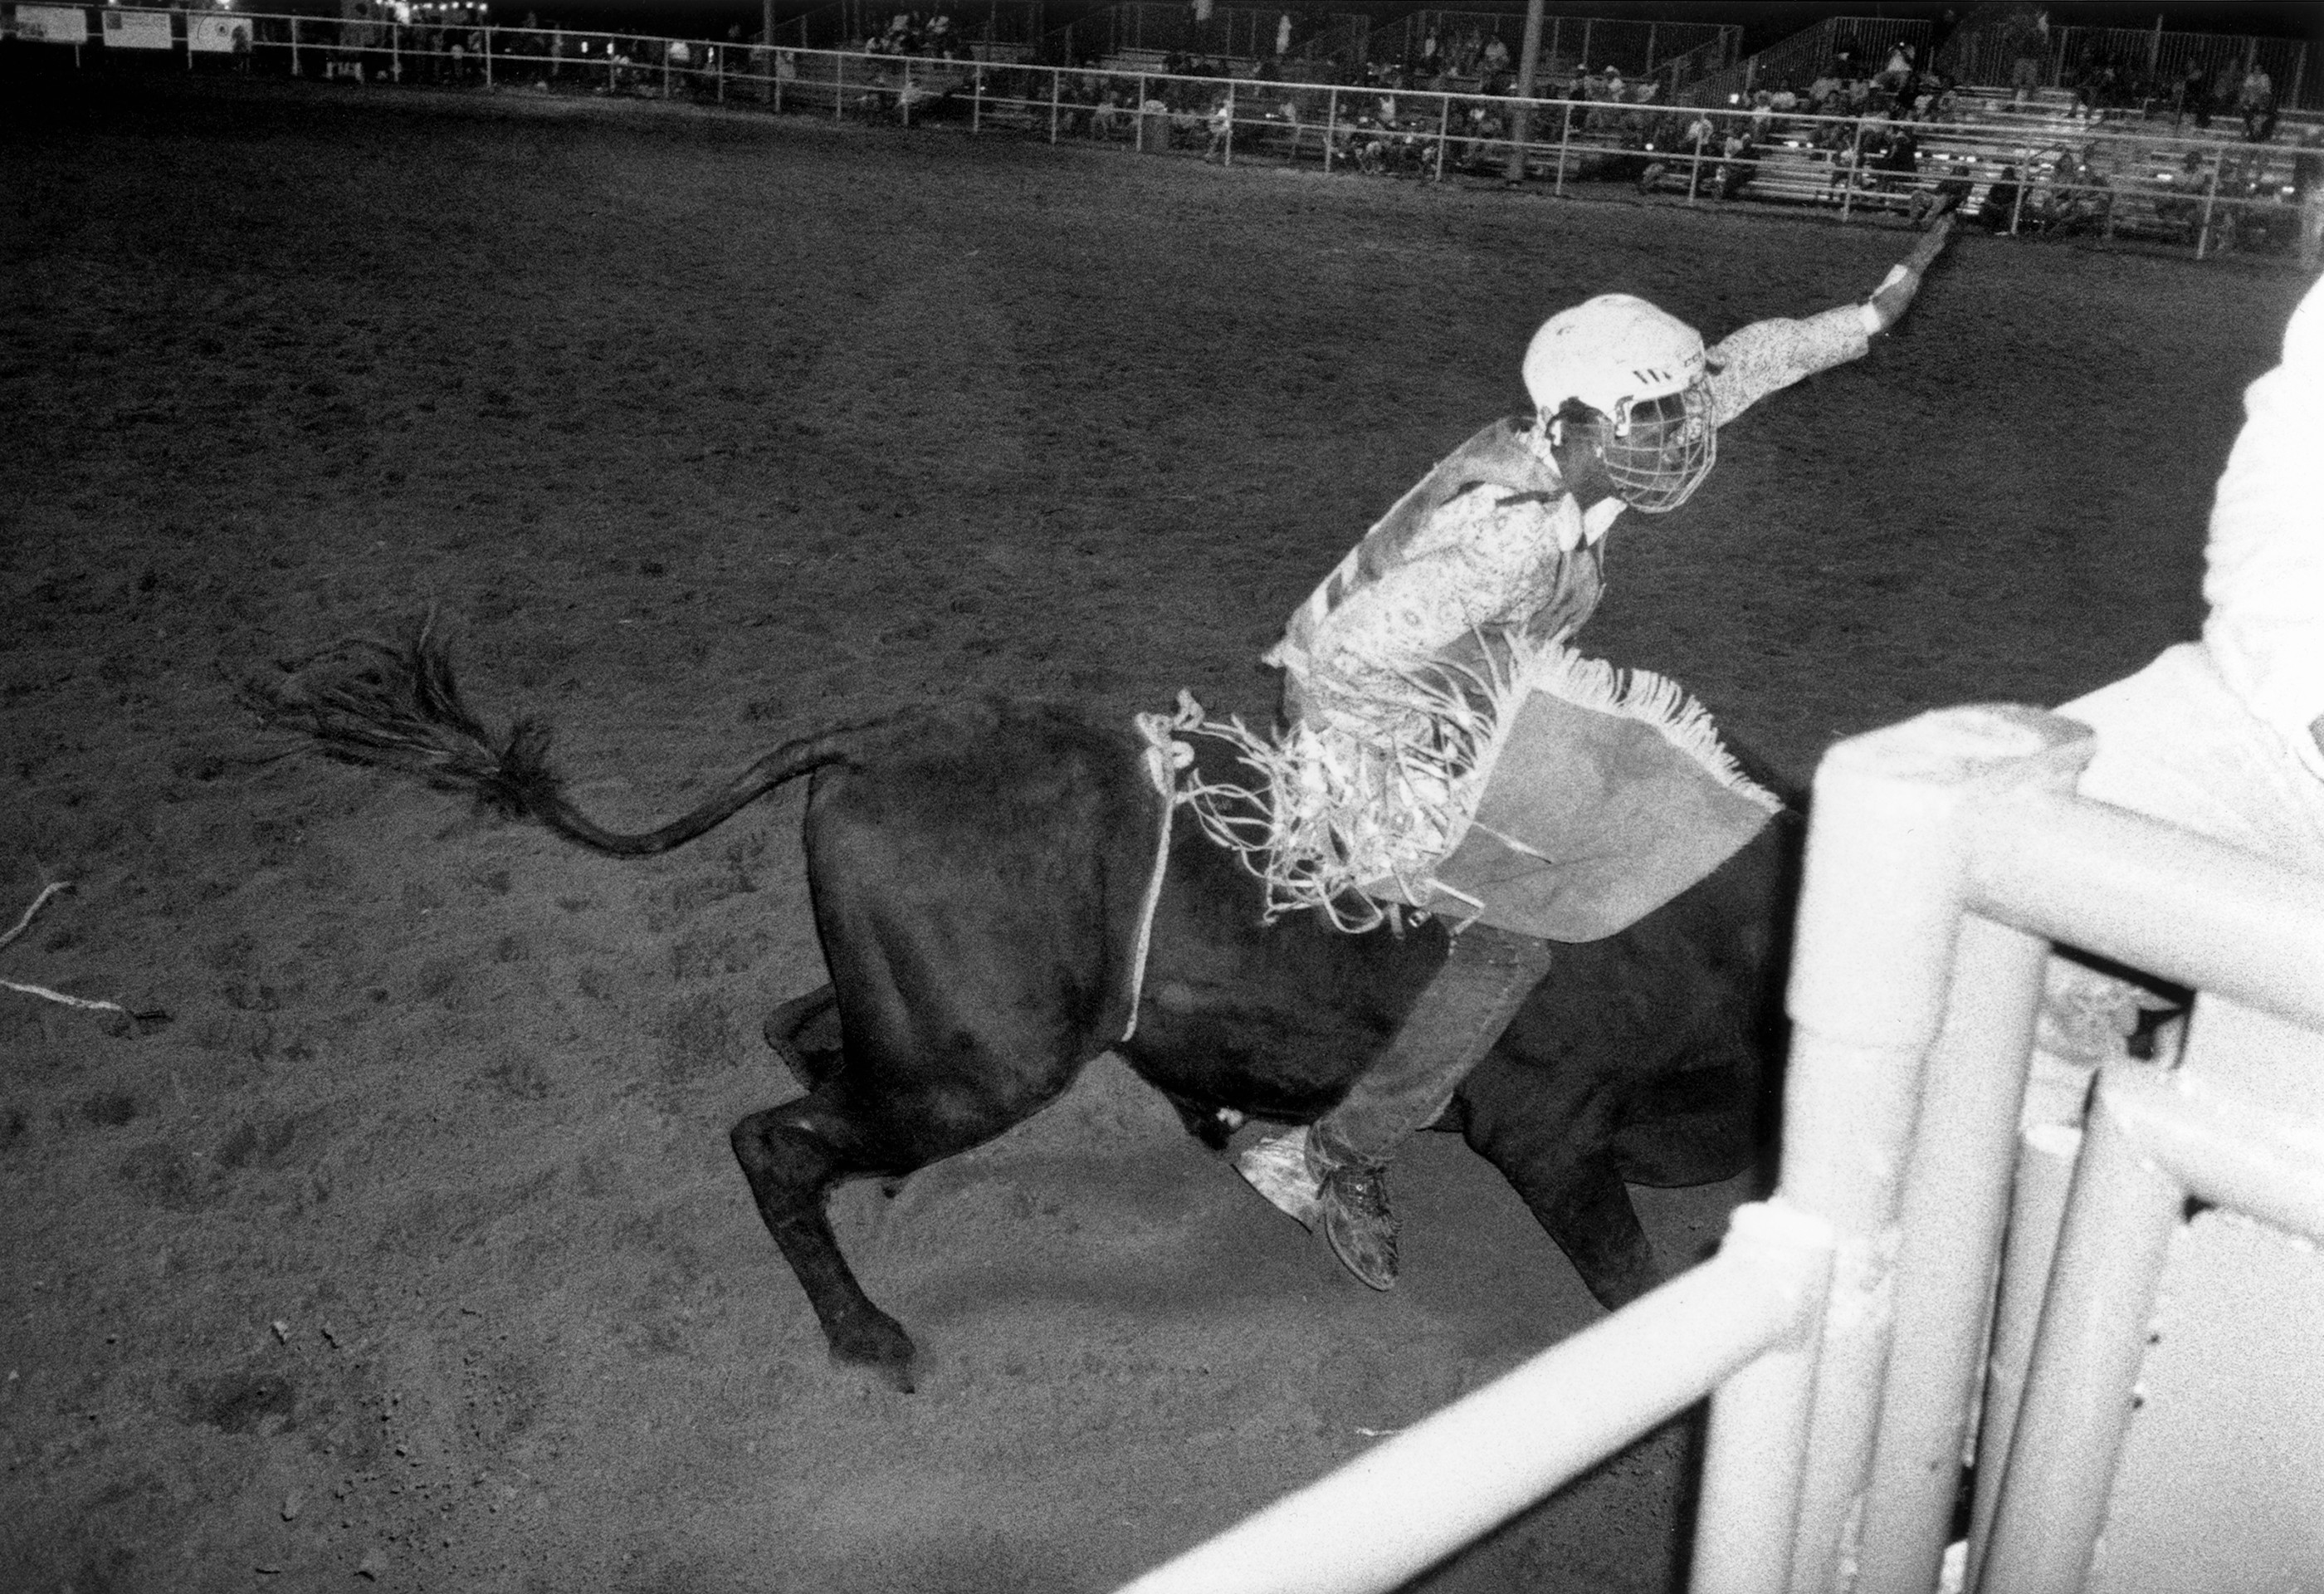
column 1492, row 538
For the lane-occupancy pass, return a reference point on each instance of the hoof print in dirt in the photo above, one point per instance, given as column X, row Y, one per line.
column 243, row 1403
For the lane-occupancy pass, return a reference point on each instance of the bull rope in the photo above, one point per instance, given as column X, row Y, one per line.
column 1166, row 756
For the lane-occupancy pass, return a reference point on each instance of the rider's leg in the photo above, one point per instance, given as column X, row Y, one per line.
column 1333, row 1169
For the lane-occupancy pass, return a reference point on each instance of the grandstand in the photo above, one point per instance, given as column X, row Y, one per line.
column 2063, row 131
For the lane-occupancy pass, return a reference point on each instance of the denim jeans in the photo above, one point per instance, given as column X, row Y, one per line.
column 1486, row 978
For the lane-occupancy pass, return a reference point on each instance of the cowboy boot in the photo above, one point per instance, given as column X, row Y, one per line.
column 1357, row 1218
column 1304, row 1179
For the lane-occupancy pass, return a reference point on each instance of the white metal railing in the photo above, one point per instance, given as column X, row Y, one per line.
column 1437, row 1486
column 2195, row 190
column 1944, row 856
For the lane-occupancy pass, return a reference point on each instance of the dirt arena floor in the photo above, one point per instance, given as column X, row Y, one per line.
column 407, row 1252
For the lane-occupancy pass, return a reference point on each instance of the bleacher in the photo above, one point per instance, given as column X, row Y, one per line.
column 2118, row 173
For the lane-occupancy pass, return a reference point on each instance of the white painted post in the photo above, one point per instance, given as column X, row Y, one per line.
column 904, row 100
column 1879, row 915
column 1758, row 1442
column 2119, row 1220
column 488, row 58
column 1056, row 82
column 838, row 83
column 1443, row 131
column 2046, row 1170
column 1955, row 1205
column 1228, row 159
column 1331, row 125
column 1565, row 141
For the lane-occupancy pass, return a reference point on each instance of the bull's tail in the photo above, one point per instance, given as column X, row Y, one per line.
column 395, row 704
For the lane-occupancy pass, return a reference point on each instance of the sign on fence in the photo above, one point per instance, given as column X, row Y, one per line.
column 53, row 24
column 221, row 34
column 136, row 30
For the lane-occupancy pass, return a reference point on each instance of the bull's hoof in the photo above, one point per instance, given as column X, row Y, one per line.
column 876, row 1343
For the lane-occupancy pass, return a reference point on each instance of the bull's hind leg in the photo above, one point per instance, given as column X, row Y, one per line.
column 1553, row 1141
column 866, row 1122
column 805, row 1033
column 793, row 1155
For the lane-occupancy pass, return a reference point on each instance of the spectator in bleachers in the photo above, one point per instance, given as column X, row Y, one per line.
column 2025, row 78
column 1899, row 69
column 1923, row 205
column 2076, row 199
column 1898, row 161
column 1739, row 162
column 2255, row 104
column 2180, row 207
column 2000, row 207
column 1222, row 130
column 2194, row 97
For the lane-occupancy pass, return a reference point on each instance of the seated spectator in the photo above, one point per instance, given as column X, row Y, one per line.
column 1924, row 205
column 1899, row 69
column 2000, row 207
column 1899, row 159
column 1738, row 163
column 2179, row 206
column 1221, row 131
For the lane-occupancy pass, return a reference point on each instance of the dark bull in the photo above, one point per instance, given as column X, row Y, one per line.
column 977, row 873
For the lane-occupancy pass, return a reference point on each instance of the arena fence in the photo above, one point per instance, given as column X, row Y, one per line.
column 1807, row 56
column 1843, row 1329
column 1004, row 30
column 2148, row 55
column 1671, row 53
column 2015, row 167
column 1245, row 34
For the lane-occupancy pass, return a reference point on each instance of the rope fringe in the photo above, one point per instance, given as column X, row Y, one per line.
column 1384, row 783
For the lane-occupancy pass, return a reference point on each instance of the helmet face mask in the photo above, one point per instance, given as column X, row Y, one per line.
column 1645, row 372
column 1660, row 450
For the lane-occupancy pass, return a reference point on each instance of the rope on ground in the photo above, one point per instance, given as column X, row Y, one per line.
column 24, row 922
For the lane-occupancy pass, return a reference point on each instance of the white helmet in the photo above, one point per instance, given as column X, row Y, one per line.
column 1645, row 371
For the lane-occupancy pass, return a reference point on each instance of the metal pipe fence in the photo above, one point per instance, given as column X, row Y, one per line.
column 2165, row 183
column 1944, row 856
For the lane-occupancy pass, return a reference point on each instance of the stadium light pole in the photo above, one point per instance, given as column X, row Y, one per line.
column 1521, row 120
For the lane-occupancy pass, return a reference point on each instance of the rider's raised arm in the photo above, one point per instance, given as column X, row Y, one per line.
column 1767, row 356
